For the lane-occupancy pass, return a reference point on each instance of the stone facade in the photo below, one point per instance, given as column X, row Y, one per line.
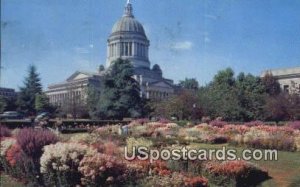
column 289, row 79
column 74, row 88
column 127, row 41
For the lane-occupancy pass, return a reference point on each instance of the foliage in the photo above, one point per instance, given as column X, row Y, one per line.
column 93, row 99
column 282, row 107
column 102, row 170
column 32, row 141
column 6, row 144
column 42, row 103
column 60, row 162
column 121, row 95
column 4, row 131
column 185, row 106
column 234, row 173
column 32, row 86
column 190, row 84
column 137, row 142
column 271, row 85
column 294, row 124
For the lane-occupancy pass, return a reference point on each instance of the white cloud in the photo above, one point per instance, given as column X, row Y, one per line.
column 185, row 45
column 210, row 16
column 206, row 39
column 82, row 50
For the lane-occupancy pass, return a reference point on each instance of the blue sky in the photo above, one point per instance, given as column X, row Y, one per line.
column 190, row 38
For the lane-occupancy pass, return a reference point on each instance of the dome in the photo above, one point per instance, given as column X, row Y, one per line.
column 128, row 24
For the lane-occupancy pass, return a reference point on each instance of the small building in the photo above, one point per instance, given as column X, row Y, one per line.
column 288, row 78
column 8, row 92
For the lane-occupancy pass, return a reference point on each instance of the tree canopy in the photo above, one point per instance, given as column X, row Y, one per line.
column 121, row 94
column 32, row 87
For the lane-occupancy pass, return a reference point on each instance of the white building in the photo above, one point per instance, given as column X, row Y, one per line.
column 127, row 41
column 289, row 78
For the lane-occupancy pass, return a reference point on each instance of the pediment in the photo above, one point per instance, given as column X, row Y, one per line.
column 161, row 84
column 77, row 75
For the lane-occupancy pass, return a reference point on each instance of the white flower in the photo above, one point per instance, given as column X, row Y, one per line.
column 5, row 145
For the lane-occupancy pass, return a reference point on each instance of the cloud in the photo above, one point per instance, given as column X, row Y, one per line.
column 82, row 50
column 185, row 45
column 206, row 39
column 210, row 16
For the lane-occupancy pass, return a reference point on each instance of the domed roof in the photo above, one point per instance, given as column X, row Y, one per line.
column 127, row 23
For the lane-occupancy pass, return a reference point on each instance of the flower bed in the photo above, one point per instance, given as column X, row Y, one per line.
column 97, row 158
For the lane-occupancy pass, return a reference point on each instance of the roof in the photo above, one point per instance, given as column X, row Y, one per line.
column 295, row 71
column 128, row 23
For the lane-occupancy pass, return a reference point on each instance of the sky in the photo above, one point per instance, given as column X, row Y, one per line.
column 188, row 38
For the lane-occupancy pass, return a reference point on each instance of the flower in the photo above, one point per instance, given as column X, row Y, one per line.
column 63, row 156
column 6, row 144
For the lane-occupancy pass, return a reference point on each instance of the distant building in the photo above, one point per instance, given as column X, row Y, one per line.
column 289, row 78
column 75, row 86
column 127, row 41
column 8, row 92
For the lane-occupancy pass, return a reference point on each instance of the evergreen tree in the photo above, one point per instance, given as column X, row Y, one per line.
column 32, row 87
column 121, row 95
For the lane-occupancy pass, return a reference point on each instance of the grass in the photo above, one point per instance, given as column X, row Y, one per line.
column 7, row 181
column 285, row 172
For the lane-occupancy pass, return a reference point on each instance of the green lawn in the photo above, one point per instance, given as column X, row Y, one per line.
column 6, row 181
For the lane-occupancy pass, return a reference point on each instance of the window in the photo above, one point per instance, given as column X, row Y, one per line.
column 286, row 88
column 126, row 49
column 130, row 49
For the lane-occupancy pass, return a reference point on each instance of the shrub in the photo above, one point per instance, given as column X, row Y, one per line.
column 174, row 179
column 254, row 123
column 234, row 173
column 109, row 148
column 193, row 167
column 218, row 139
column 13, row 154
column 218, row 123
column 102, row 170
column 5, row 145
column 32, row 141
column 4, row 131
column 137, row 142
column 294, row 125
column 60, row 161
column 196, row 181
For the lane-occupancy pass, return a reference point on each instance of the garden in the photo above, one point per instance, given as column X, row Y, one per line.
column 41, row 157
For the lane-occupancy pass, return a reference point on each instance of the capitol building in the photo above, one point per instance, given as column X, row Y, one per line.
column 127, row 41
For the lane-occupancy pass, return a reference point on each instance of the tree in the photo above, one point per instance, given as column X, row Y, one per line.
column 271, row 84
column 190, row 84
column 93, row 101
column 223, row 96
column 121, row 94
column 251, row 96
column 42, row 103
column 32, row 87
column 185, row 106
